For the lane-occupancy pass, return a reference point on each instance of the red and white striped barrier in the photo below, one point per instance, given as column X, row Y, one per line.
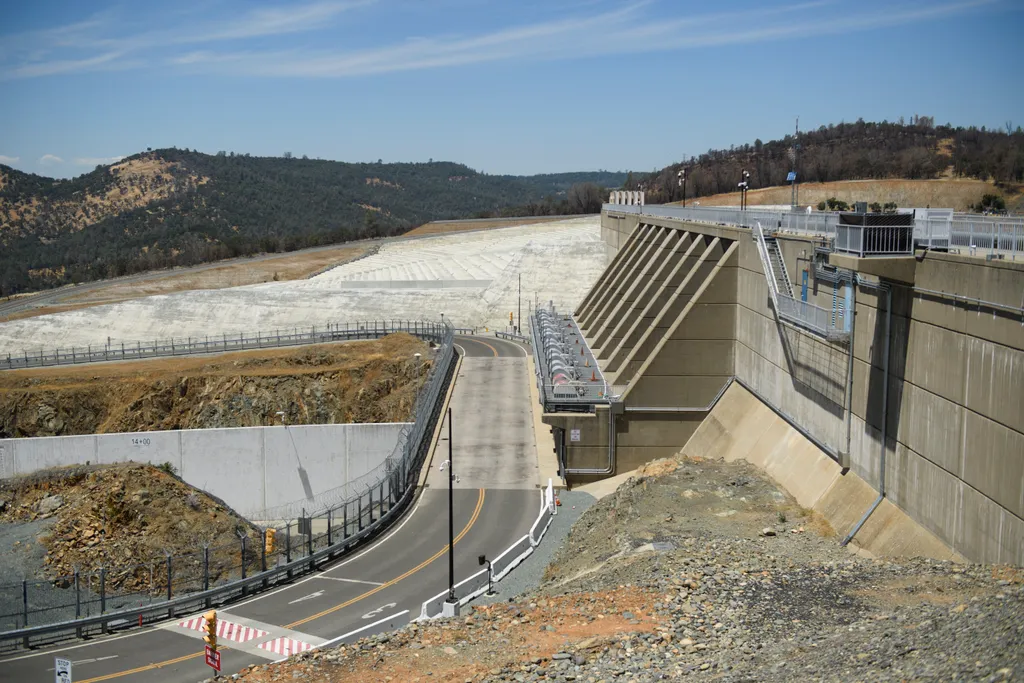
column 225, row 629
column 285, row 646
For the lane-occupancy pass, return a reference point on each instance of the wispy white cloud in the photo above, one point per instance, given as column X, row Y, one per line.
column 109, row 45
column 625, row 30
column 641, row 26
column 266, row 22
column 97, row 161
column 63, row 66
column 50, row 160
column 4, row 159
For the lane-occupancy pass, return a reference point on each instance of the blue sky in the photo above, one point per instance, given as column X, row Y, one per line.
column 528, row 86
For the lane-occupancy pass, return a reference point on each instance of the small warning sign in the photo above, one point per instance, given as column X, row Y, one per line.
column 63, row 669
column 574, row 435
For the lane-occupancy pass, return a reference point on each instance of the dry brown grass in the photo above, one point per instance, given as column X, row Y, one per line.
column 286, row 267
column 440, row 227
column 364, row 381
column 953, row 193
column 282, row 361
column 125, row 193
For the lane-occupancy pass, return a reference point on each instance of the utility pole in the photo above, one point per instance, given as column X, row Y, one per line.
column 451, row 523
column 520, row 318
column 796, row 146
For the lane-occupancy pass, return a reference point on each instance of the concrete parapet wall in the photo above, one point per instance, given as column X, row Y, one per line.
column 249, row 468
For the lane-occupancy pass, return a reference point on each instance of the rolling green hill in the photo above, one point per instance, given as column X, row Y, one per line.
column 172, row 207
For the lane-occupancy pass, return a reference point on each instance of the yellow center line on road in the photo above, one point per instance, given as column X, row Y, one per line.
column 493, row 350
column 392, row 582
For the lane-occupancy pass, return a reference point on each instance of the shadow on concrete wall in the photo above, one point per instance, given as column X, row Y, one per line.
column 307, row 488
column 899, row 335
column 818, row 369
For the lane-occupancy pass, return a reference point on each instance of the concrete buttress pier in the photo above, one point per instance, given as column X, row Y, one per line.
column 931, row 363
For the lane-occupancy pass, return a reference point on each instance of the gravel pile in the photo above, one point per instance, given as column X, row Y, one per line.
column 709, row 572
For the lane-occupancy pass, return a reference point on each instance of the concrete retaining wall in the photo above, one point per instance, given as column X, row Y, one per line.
column 741, row 427
column 249, row 468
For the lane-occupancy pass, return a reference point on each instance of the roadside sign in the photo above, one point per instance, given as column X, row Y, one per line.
column 574, row 435
column 63, row 669
column 213, row 658
column 791, row 176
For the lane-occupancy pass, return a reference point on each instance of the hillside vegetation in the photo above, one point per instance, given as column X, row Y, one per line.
column 951, row 193
column 172, row 207
column 919, row 150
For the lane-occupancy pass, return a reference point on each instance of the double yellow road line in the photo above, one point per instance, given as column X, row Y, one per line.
column 377, row 589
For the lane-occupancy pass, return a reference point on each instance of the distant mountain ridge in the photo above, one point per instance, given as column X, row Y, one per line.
column 171, row 207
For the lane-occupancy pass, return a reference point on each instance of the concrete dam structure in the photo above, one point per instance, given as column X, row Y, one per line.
column 884, row 390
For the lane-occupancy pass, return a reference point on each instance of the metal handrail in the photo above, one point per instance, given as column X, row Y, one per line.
column 972, row 231
column 766, row 264
column 137, row 350
column 804, row 314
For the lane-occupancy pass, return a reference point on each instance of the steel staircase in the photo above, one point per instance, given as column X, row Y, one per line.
column 778, row 264
column 820, row 321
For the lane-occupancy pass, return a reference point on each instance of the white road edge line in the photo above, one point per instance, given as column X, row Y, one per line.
column 332, row 641
column 171, row 623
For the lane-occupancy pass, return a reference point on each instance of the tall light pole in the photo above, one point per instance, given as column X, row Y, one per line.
column 451, row 602
column 682, row 184
column 519, row 320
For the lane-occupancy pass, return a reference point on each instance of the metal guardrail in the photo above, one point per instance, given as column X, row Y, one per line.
column 874, row 240
column 511, row 336
column 1000, row 236
column 477, row 584
column 332, row 332
column 318, row 536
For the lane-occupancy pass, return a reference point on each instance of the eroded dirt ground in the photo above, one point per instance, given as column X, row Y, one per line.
column 707, row 569
column 366, row 381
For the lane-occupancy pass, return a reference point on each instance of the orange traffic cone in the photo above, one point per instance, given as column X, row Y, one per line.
column 558, row 503
column 587, row 364
column 593, row 375
column 581, row 350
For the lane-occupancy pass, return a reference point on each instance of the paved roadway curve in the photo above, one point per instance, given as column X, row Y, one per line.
column 496, row 501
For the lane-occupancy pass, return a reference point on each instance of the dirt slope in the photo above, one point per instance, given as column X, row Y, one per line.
column 958, row 194
column 368, row 381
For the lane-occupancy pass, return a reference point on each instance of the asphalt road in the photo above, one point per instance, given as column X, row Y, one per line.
column 380, row 588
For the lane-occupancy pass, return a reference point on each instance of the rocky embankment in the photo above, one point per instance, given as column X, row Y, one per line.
column 123, row 517
column 706, row 570
column 371, row 381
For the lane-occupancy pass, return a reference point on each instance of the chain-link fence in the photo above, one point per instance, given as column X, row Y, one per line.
column 217, row 343
column 277, row 539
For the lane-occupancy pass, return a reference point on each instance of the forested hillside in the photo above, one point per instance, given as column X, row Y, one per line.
column 173, row 207
column 848, row 151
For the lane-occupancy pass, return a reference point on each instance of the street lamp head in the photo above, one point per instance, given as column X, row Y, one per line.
column 446, row 463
